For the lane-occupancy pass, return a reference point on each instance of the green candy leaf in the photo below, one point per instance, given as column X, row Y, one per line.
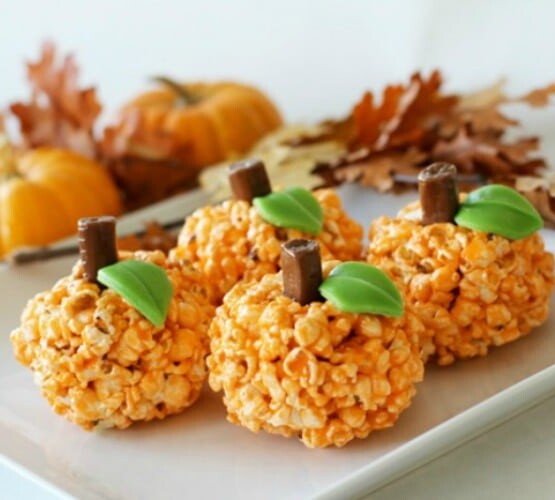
column 356, row 287
column 293, row 208
column 499, row 210
column 145, row 286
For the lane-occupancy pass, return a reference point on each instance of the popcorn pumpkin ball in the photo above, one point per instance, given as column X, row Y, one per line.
column 327, row 370
column 134, row 351
column 473, row 268
column 240, row 238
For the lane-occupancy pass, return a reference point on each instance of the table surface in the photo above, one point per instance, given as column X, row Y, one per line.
column 513, row 461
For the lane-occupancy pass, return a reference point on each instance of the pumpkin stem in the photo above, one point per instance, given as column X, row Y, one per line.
column 183, row 95
column 8, row 165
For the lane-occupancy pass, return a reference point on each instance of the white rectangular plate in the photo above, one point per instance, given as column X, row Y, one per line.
column 199, row 454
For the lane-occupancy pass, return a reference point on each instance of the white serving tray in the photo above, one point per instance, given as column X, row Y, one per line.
column 199, row 455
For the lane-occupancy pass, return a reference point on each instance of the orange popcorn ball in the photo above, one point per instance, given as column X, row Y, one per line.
column 231, row 241
column 471, row 289
column 100, row 363
column 310, row 370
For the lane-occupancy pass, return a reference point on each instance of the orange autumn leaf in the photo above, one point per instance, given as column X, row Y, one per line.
column 370, row 120
column 422, row 108
column 59, row 113
column 404, row 116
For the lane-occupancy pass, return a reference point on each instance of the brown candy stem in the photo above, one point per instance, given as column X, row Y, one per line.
column 97, row 244
column 302, row 270
column 249, row 179
column 439, row 196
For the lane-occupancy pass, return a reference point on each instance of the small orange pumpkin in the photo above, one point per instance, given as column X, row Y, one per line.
column 198, row 123
column 163, row 138
column 44, row 192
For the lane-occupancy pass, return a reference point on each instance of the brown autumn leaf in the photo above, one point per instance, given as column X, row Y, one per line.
column 479, row 112
column 539, row 97
column 469, row 131
column 59, row 113
column 422, row 108
column 487, row 120
column 466, row 153
column 405, row 115
column 155, row 237
column 377, row 169
column 495, row 95
column 486, row 155
column 541, row 193
column 519, row 152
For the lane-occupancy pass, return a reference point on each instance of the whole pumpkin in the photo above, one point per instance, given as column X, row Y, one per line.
column 201, row 123
column 164, row 137
column 44, row 192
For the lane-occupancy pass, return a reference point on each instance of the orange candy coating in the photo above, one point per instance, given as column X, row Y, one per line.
column 231, row 241
column 101, row 364
column 311, row 371
column 472, row 290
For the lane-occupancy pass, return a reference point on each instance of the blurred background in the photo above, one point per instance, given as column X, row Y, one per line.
column 313, row 58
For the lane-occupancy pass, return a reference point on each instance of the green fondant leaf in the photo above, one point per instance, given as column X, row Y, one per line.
column 293, row 208
column 499, row 210
column 145, row 286
column 356, row 287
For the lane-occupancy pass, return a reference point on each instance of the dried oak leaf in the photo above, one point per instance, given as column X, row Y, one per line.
column 492, row 95
column 155, row 237
column 371, row 120
column 417, row 124
column 480, row 153
column 540, row 191
column 59, row 114
column 422, row 108
column 376, row 169
column 539, row 97
column 480, row 110
column 488, row 120
column 405, row 115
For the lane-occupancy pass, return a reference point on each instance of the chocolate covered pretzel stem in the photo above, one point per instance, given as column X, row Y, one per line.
column 97, row 244
column 249, row 179
column 439, row 195
column 302, row 270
